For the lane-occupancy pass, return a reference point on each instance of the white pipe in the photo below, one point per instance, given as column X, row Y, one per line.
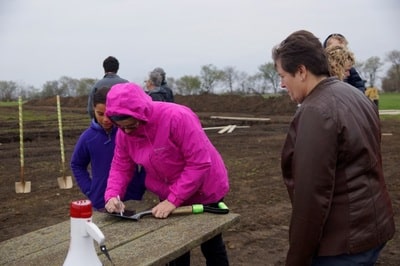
column 221, row 127
column 225, row 129
column 241, row 118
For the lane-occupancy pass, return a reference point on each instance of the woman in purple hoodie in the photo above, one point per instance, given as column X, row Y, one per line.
column 95, row 147
column 182, row 166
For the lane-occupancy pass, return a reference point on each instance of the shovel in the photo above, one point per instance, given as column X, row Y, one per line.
column 64, row 182
column 22, row 186
column 195, row 209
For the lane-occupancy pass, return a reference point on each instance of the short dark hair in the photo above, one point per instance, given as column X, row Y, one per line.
column 301, row 48
column 100, row 96
column 111, row 64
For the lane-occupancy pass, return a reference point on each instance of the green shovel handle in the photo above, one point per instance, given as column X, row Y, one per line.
column 221, row 209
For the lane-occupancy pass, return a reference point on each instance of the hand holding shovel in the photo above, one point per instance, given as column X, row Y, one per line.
column 192, row 209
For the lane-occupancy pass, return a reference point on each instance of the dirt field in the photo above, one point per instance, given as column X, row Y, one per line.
column 252, row 156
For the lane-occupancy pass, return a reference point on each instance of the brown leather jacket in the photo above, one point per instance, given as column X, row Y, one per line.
column 332, row 167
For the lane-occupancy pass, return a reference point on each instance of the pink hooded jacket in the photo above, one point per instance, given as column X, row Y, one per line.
column 180, row 162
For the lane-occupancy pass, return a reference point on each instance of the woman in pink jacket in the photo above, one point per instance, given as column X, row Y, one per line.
column 182, row 166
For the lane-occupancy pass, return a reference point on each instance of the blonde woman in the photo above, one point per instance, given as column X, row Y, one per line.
column 354, row 79
column 341, row 60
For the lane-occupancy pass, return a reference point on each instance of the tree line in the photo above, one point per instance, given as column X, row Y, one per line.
column 211, row 80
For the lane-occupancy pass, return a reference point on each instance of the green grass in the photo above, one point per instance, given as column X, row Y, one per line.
column 389, row 101
column 8, row 103
column 9, row 111
column 9, row 117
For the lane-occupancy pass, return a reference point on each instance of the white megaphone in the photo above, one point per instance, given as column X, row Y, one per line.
column 83, row 232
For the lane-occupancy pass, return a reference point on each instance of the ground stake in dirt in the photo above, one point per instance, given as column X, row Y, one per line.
column 64, row 182
column 22, row 186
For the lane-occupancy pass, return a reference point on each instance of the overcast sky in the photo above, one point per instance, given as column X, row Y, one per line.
column 42, row 40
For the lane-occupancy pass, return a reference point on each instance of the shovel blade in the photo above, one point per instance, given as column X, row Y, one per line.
column 23, row 187
column 65, row 182
column 127, row 214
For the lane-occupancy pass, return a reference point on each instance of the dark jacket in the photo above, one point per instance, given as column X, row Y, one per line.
column 170, row 94
column 332, row 167
column 108, row 81
column 158, row 94
column 355, row 80
column 96, row 147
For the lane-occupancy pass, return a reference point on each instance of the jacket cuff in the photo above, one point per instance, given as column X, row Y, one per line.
column 174, row 200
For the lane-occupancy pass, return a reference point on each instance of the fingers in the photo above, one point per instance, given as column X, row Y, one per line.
column 160, row 213
column 114, row 205
column 163, row 209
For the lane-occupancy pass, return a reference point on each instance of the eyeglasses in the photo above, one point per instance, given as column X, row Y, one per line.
column 129, row 127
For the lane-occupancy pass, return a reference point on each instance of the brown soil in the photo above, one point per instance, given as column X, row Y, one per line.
column 252, row 156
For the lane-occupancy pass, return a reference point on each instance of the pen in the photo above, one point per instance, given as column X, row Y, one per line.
column 119, row 203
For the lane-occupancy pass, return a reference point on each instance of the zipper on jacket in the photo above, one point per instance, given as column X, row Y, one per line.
column 109, row 137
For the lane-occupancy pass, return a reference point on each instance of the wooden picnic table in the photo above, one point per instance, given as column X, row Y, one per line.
column 149, row 241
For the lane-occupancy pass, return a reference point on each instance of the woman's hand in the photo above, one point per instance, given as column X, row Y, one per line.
column 115, row 205
column 163, row 209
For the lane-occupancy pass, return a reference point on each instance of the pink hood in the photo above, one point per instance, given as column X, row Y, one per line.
column 129, row 99
column 180, row 162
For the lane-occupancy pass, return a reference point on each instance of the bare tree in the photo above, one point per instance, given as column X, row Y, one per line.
column 31, row 92
column 269, row 74
column 84, row 86
column 256, row 84
column 371, row 68
column 231, row 76
column 171, row 83
column 68, row 86
column 393, row 57
column 8, row 91
column 359, row 66
column 210, row 76
column 50, row 88
column 392, row 80
column 188, row 85
column 243, row 82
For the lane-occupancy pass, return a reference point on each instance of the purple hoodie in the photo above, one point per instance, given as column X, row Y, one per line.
column 95, row 147
column 181, row 163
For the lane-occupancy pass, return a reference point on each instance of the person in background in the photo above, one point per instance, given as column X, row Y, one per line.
column 159, row 91
column 111, row 66
column 341, row 60
column 95, row 147
column 182, row 166
column 331, row 163
column 373, row 94
column 154, row 89
column 170, row 94
column 354, row 78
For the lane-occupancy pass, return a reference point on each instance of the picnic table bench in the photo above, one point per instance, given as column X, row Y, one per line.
column 149, row 241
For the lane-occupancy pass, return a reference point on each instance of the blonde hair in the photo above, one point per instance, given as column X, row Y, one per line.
column 339, row 59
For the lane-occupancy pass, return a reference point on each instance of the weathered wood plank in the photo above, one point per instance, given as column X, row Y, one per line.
column 146, row 242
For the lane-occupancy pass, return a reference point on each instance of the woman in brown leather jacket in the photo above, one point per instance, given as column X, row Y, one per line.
column 331, row 163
